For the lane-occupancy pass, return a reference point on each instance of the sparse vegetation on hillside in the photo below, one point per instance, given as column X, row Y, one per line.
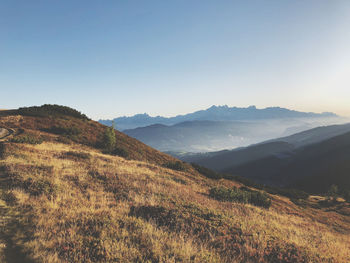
column 70, row 129
column 26, row 138
column 77, row 205
column 72, row 203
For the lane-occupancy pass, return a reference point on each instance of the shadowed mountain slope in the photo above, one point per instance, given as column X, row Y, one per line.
column 313, row 168
column 223, row 160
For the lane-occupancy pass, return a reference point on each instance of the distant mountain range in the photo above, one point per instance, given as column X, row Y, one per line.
column 214, row 113
column 199, row 136
column 319, row 155
column 206, row 136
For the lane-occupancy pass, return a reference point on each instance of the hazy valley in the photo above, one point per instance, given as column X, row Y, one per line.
column 219, row 127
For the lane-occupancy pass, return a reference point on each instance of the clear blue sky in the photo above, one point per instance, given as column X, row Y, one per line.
column 112, row 58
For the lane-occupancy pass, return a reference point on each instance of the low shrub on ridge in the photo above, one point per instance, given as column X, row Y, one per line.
column 240, row 195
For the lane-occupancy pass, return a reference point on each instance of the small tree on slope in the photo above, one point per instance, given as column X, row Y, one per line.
column 109, row 139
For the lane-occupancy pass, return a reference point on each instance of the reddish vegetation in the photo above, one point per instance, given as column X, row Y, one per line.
column 63, row 200
column 88, row 133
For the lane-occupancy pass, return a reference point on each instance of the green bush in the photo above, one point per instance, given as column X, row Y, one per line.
column 240, row 195
column 64, row 139
column 176, row 165
column 67, row 134
column 68, row 131
column 51, row 110
column 30, row 139
column 120, row 152
column 109, row 139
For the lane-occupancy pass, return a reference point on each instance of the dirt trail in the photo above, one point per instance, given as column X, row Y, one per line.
column 5, row 133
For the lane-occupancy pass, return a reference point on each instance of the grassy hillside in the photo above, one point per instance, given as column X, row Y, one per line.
column 61, row 124
column 69, row 202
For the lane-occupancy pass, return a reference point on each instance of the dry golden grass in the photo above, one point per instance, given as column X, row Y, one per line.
column 102, row 208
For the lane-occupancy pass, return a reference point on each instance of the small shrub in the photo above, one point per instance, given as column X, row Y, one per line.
column 259, row 199
column 64, row 140
column 30, row 139
column 176, row 165
column 109, row 139
column 120, row 152
column 40, row 187
column 67, row 131
column 240, row 195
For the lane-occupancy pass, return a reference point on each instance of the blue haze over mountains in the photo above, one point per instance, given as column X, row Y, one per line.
column 312, row 160
column 214, row 113
column 219, row 127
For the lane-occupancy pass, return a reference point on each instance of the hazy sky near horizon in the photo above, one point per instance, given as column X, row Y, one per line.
column 113, row 58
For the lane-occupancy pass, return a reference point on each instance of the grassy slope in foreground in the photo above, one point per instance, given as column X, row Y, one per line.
column 59, row 127
column 71, row 203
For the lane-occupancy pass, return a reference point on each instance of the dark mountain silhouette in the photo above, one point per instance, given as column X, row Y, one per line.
column 214, row 113
column 223, row 160
column 313, row 168
column 311, row 160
